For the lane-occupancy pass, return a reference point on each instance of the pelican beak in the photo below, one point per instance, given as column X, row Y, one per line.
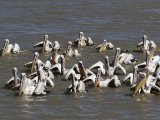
column 139, row 85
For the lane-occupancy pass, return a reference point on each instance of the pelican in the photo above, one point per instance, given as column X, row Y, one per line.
column 147, row 45
column 112, row 69
column 150, row 63
column 81, row 41
column 89, row 42
column 76, row 53
column 145, row 83
column 69, row 52
column 99, row 82
column 27, row 86
column 127, row 58
column 105, row 46
column 46, row 45
column 13, row 82
column 76, row 86
column 55, row 57
column 57, row 45
column 42, row 82
column 32, row 65
column 9, row 48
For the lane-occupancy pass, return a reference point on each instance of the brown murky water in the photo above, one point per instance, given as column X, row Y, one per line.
column 123, row 22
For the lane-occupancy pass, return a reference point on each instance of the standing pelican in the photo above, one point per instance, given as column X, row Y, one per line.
column 46, row 45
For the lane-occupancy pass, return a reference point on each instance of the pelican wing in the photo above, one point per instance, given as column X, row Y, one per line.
column 140, row 44
column 119, row 66
column 97, row 65
column 90, row 78
column 130, row 77
column 40, row 44
column 50, row 82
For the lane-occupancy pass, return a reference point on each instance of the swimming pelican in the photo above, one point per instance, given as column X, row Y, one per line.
column 147, row 45
column 76, row 86
column 46, row 45
column 55, row 57
column 89, row 42
column 99, row 82
column 13, row 82
column 32, row 65
column 105, row 46
column 145, row 83
column 9, row 48
column 81, row 41
column 127, row 58
column 150, row 63
column 112, row 69
column 27, row 86
column 57, row 45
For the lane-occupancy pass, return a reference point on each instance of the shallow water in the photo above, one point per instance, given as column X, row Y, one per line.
column 122, row 22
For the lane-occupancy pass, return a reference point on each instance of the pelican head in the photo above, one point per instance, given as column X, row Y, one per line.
column 144, row 37
column 45, row 37
column 81, row 34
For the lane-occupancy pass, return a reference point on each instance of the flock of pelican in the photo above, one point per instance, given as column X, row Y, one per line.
column 40, row 75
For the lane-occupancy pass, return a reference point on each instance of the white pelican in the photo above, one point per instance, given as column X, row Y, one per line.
column 57, row 45
column 76, row 53
column 46, row 45
column 150, row 63
column 105, row 46
column 127, row 58
column 13, row 82
column 9, row 48
column 27, row 86
column 69, row 52
column 32, row 65
column 112, row 69
column 145, row 83
column 89, row 42
column 76, row 86
column 81, row 41
column 147, row 45
column 99, row 82
column 55, row 57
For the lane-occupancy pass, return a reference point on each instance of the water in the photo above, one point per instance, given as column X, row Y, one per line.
column 122, row 22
